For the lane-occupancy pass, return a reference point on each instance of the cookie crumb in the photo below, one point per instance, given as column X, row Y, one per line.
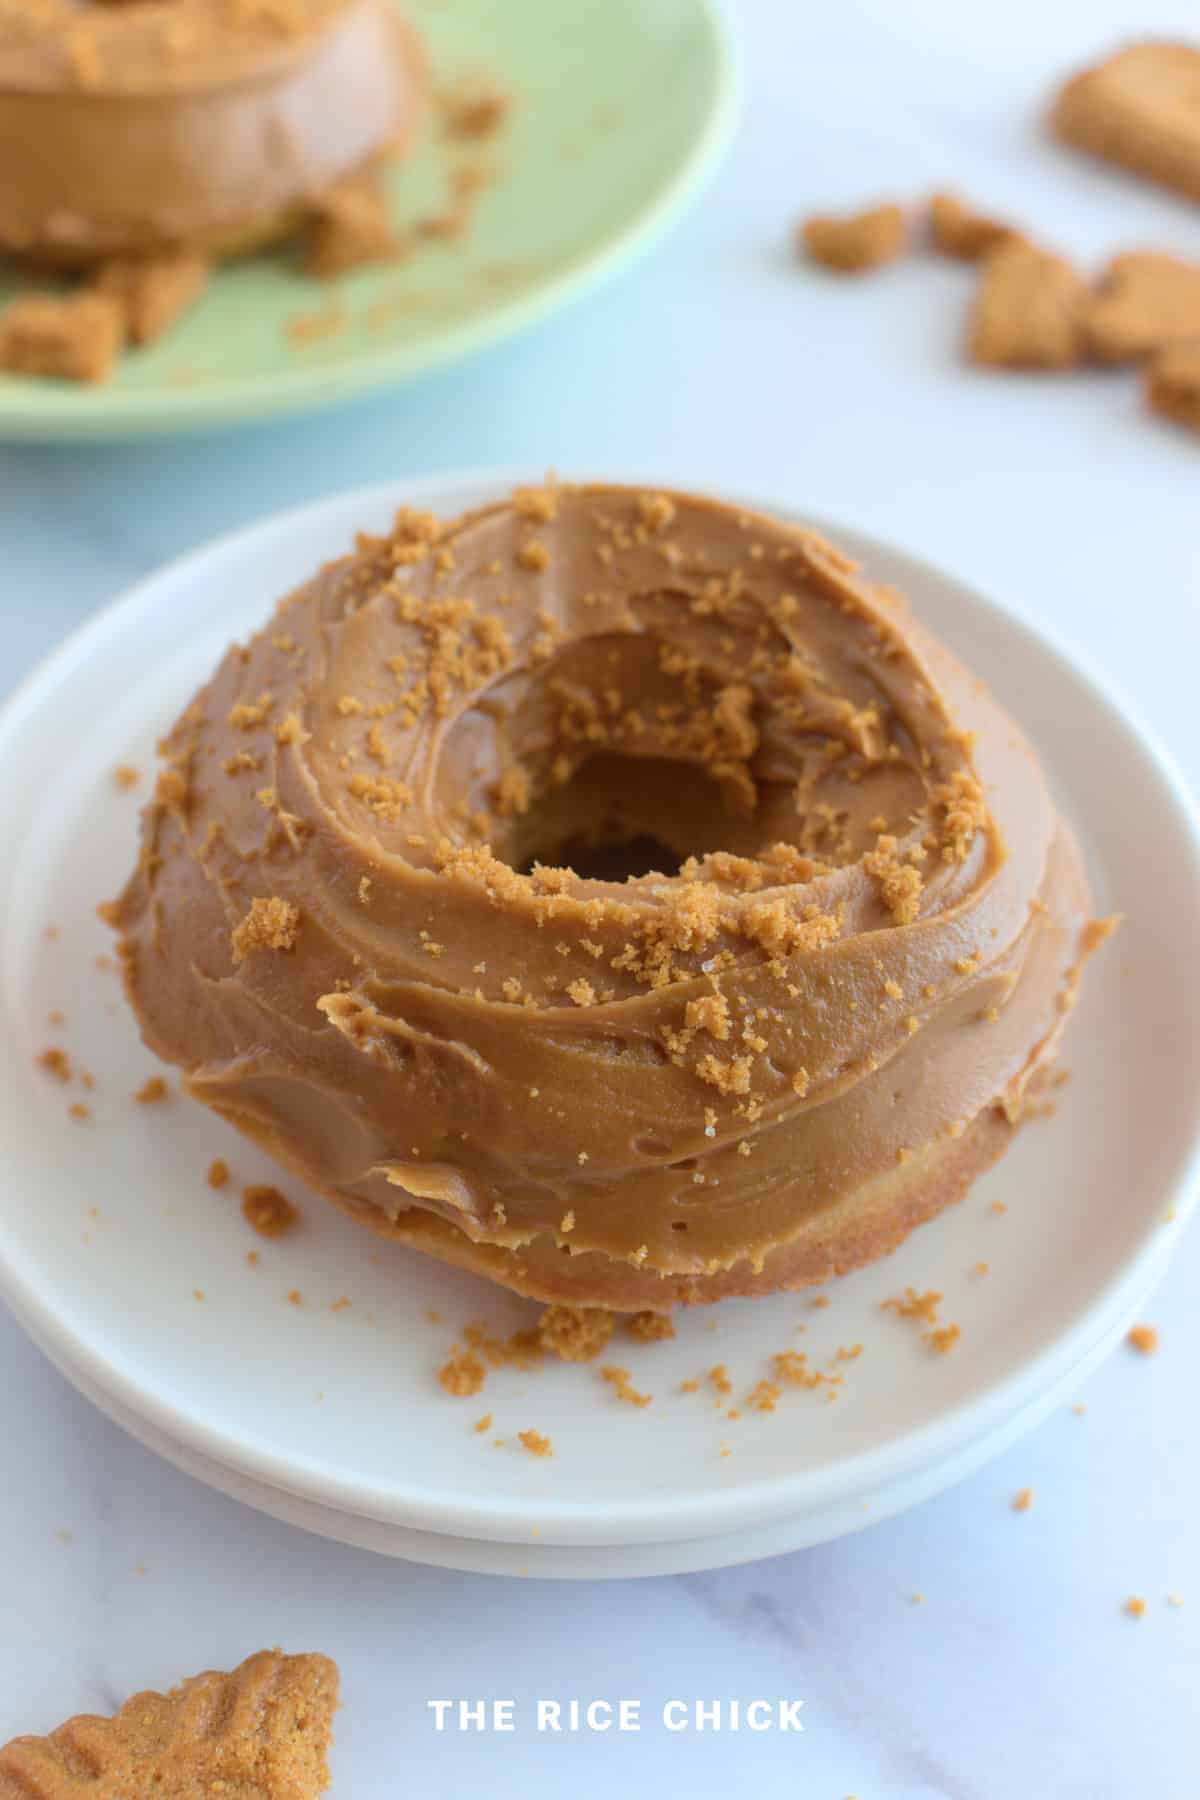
column 535, row 1443
column 55, row 1062
column 79, row 1112
column 1135, row 1606
column 152, row 1092
column 267, row 1210
column 912, row 1305
column 462, row 1374
column 1143, row 1339
column 218, row 1173
column 650, row 1327
column 152, row 291
column 851, row 243
column 621, row 1383
column 1029, row 310
column 1022, row 1500
column 479, row 110
column 125, row 777
column 75, row 337
column 958, row 230
column 484, row 1424
column 271, row 924
column 351, row 227
column 575, row 1333
column 1173, row 385
column 1146, row 301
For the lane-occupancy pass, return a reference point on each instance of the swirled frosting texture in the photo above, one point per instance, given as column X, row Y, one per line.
column 371, row 919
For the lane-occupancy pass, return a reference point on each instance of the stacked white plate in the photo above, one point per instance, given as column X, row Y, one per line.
column 325, row 1409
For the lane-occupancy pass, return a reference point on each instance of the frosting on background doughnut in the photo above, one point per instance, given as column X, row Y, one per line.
column 612, row 893
column 127, row 127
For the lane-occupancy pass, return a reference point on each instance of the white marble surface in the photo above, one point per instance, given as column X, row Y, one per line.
column 718, row 358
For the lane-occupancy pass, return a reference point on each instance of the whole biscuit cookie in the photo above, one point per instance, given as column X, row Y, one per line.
column 1141, row 109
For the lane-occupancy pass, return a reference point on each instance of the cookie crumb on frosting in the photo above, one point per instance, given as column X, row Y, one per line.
column 270, row 924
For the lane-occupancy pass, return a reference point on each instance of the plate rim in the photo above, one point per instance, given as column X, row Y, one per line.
column 650, row 1519
column 161, row 413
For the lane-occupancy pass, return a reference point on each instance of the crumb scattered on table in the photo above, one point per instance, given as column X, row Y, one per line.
column 1022, row 1500
column 1135, row 1606
column 152, row 1092
column 1146, row 301
column 1144, row 1339
column 218, row 1173
column 959, row 230
column 1173, row 390
column 535, row 1443
column 125, row 777
column 852, row 243
column 1029, row 310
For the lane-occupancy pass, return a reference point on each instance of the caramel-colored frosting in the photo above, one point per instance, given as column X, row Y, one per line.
column 127, row 126
column 379, row 922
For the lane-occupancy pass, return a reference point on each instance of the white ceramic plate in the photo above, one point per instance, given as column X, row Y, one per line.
column 334, row 1418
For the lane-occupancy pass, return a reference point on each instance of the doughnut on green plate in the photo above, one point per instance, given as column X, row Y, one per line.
column 618, row 109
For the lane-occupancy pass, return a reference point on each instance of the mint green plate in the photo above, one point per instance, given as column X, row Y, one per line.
column 619, row 108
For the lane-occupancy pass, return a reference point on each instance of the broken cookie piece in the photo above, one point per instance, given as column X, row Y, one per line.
column 1029, row 310
column 1141, row 109
column 351, row 226
column 854, row 242
column 1173, row 384
column 260, row 1733
column 956, row 229
column 75, row 337
column 1146, row 302
column 152, row 291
